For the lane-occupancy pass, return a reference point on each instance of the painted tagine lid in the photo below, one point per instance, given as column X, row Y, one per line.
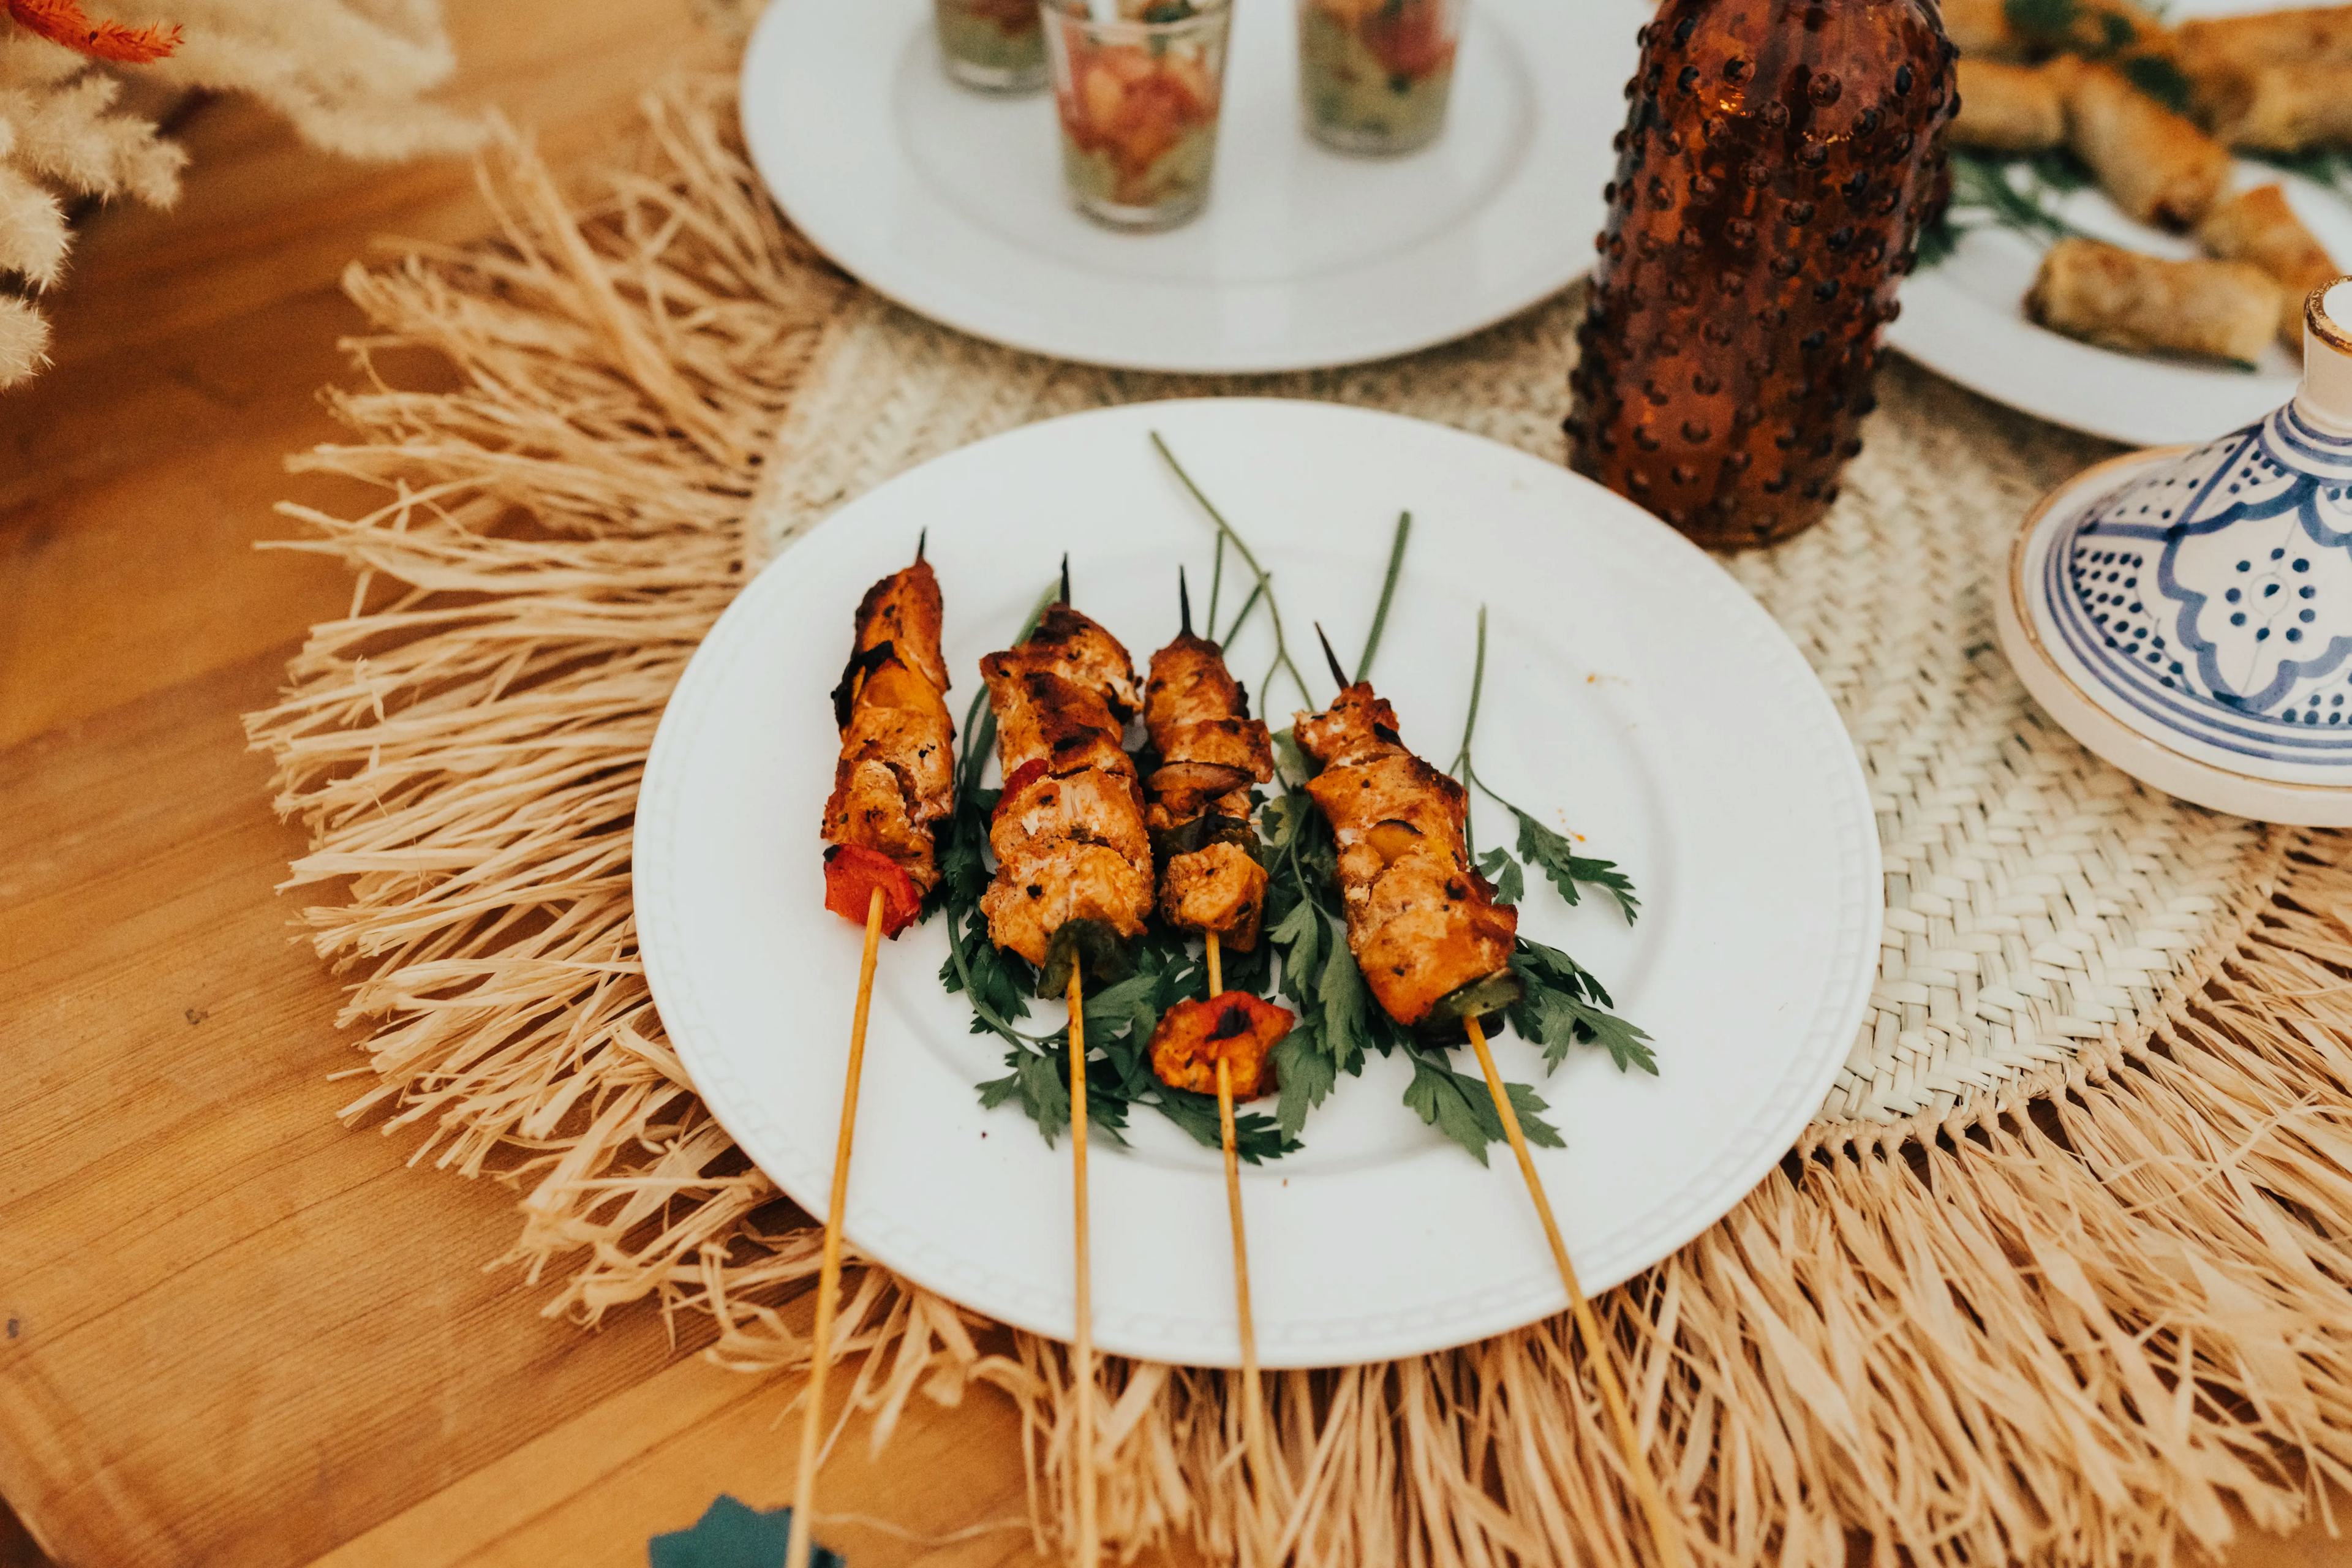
column 2186, row 613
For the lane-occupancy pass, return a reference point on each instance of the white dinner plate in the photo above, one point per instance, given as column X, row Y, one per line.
column 1966, row 318
column 951, row 201
column 1634, row 694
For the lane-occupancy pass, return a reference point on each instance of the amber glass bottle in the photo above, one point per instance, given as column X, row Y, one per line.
column 1773, row 176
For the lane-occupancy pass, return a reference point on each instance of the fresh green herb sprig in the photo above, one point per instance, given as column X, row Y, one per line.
column 1283, row 663
column 1562, row 1004
column 1548, row 852
column 1120, row 1020
column 2020, row 195
column 2162, row 80
column 2074, row 27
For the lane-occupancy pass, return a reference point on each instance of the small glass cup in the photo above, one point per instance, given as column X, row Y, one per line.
column 1375, row 76
column 1139, row 89
column 996, row 46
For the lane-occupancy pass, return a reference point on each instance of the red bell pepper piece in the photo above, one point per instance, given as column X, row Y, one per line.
column 852, row 872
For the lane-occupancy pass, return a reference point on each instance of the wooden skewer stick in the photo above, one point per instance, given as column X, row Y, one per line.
column 1253, row 1397
column 828, row 1279
column 1665, row 1530
column 1253, row 1404
column 1083, row 1345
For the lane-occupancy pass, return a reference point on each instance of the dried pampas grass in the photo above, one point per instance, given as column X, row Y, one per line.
column 349, row 75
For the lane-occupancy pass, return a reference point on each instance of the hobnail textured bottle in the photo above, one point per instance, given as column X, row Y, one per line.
column 1776, row 167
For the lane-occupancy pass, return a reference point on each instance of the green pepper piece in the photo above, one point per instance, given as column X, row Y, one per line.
column 1093, row 943
column 1481, row 998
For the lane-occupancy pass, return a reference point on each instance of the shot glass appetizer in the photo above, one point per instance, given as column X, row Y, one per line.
column 1374, row 75
column 1139, row 87
column 996, row 46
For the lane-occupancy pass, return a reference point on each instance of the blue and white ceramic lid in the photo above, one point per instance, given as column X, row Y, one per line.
column 2186, row 613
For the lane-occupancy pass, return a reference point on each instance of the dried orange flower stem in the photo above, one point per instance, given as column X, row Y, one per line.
column 65, row 22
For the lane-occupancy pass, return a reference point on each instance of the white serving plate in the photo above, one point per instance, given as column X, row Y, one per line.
column 1966, row 320
column 951, row 201
column 1634, row 694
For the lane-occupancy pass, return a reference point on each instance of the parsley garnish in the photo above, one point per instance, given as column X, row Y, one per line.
column 1121, row 1016
column 1565, row 1005
column 2041, row 18
column 1304, row 954
column 2160, row 80
column 2016, row 194
column 1548, row 852
column 1458, row 1105
column 1558, row 860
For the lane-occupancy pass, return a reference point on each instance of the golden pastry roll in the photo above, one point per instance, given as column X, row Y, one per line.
column 2155, row 164
column 2122, row 300
column 2012, row 108
column 2315, row 35
column 1982, row 28
column 2282, row 107
column 2260, row 227
column 1994, row 29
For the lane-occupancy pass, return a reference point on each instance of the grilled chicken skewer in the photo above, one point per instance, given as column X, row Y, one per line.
column 1211, row 751
column 1435, row 950
column 893, row 781
column 896, row 779
column 1433, row 944
column 1073, row 879
column 1074, row 859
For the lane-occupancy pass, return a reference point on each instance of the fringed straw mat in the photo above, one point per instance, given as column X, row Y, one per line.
column 2060, row 1268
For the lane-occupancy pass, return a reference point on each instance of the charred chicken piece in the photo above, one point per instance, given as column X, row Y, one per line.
column 1234, row 1026
column 903, row 610
column 1077, row 649
column 895, row 776
column 1422, row 921
column 1073, row 855
column 1211, row 751
column 1047, row 718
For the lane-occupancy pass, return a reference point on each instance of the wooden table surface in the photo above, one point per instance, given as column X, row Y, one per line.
column 230, row 1331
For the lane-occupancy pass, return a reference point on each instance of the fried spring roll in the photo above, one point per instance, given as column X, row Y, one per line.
column 1981, row 29
column 2012, row 108
column 1068, row 833
column 895, row 776
column 2122, row 300
column 1422, row 923
column 2260, row 227
column 2317, row 35
column 1991, row 29
column 2156, row 165
column 1211, row 751
column 2280, row 108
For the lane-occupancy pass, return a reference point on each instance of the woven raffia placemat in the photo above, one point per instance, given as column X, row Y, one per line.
column 2061, row 1265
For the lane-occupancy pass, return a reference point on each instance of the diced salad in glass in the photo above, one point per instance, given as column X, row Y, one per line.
column 1138, row 94
column 1375, row 75
column 996, row 46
